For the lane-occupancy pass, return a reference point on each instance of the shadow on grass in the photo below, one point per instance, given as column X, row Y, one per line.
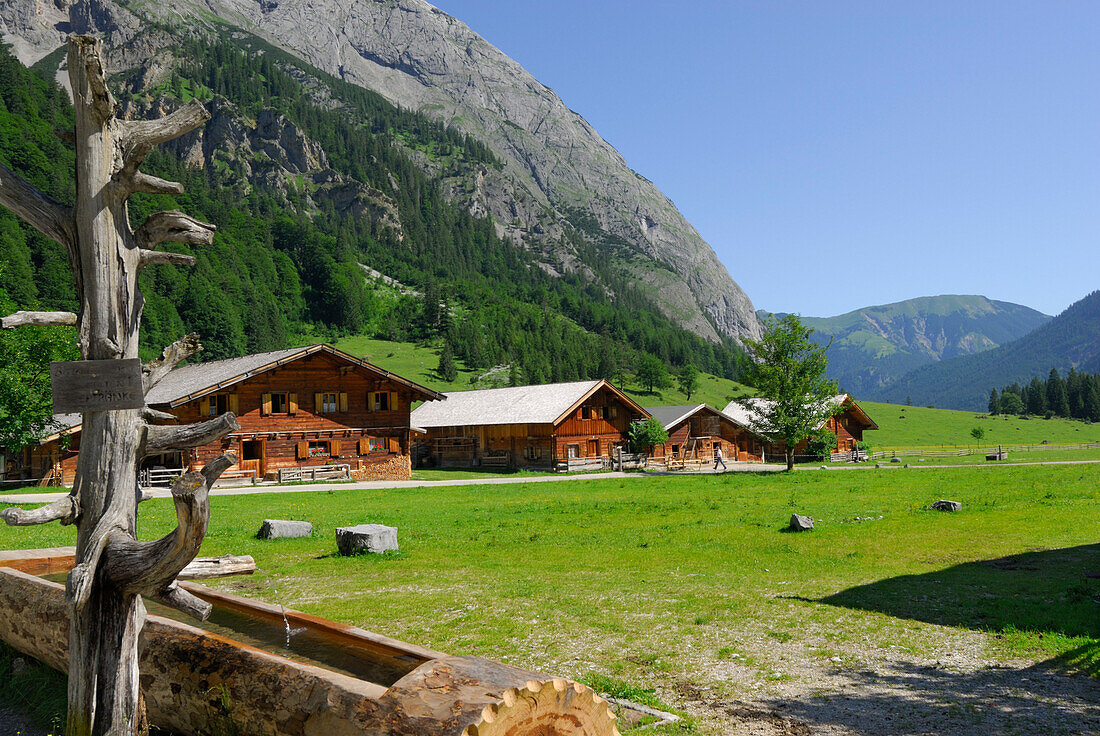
column 1046, row 592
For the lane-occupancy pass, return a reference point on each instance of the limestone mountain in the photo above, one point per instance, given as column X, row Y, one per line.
column 874, row 346
column 561, row 188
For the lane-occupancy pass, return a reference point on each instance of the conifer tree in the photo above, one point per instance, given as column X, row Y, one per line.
column 994, row 402
column 1057, row 400
column 448, row 369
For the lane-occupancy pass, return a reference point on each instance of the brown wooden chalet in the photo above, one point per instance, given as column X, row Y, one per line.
column 694, row 432
column 848, row 424
column 299, row 407
column 557, row 425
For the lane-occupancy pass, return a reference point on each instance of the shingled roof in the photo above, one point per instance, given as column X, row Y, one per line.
column 189, row 382
column 669, row 416
column 544, row 404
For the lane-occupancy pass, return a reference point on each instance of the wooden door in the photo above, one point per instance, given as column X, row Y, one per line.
column 254, row 456
column 593, row 448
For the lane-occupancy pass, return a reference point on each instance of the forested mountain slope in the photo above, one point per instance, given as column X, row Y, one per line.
column 873, row 347
column 308, row 177
column 1070, row 340
column 560, row 190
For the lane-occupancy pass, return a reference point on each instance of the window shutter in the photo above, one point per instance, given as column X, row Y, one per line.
column 235, row 403
column 303, row 450
column 204, row 406
column 343, row 402
column 265, row 406
column 370, row 401
column 292, row 401
column 393, row 401
column 364, row 446
column 318, row 403
column 334, row 448
column 395, row 445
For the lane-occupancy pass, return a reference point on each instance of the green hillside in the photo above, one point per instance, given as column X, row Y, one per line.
column 418, row 363
column 915, row 426
column 874, row 346
column 285, row 263
column 1072, row 339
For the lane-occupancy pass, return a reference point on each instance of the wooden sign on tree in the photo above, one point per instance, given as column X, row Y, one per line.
column 113, row 569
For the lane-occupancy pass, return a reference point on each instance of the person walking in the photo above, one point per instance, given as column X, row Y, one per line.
column 718, row 457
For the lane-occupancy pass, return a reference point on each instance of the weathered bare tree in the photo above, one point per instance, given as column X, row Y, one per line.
column 113, row 569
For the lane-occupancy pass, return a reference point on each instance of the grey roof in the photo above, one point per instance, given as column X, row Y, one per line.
column 514, row 405
column 192, row 378
column 184, row 382
column 669, row 416
column 748, row 414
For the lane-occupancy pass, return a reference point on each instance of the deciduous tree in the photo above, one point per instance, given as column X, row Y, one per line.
column 788, row 372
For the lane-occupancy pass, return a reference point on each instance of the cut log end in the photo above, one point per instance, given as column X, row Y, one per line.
column 546, row 708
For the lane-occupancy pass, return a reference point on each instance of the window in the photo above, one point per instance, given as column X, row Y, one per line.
column 613, row 411
column 219, row 404
column 329, row 403
column 280, row 404
column 319, row 448
column 573, row 451
column 532, row 453
column 377, row 444
column 379, row 401
column 603, row 412
column 252, row 450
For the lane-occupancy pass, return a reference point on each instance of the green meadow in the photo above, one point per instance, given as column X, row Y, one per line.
column 917, row 426
column 419, row 362
column 643, row 584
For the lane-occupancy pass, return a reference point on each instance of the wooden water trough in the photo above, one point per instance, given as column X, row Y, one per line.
column 201, row 681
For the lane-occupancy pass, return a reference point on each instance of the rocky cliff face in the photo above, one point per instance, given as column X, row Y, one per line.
column 559, row 174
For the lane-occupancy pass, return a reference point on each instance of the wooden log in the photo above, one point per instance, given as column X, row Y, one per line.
column 170, row 357
column 38, row 319
column 225, row 566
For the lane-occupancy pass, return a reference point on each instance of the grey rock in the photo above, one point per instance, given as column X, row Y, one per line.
column 943, row 505
column 895, row 459
column 375, row 538
column 18, row 667
column 801, row 523
column 283, row 529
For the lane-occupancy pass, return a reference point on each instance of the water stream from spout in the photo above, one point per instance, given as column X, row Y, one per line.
column 286, row 622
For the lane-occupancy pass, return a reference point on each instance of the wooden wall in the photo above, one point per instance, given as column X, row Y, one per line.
column 348, row 430
column 738, row 445
column 602, row 422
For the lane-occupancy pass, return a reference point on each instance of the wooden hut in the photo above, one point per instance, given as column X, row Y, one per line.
column 297, row 408
column 694, row 432
column 553, row 426
column 849, row 423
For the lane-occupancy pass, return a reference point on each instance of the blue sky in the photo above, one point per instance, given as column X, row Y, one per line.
column 843, row 154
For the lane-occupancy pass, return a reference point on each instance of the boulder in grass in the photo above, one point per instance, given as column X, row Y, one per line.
column 943, row 505
column 801, row 523
column 375, row 538
column 283, row 529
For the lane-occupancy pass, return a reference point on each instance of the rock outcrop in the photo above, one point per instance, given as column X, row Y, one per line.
column 559, row 174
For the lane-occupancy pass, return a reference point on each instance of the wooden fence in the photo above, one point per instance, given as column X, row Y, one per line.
column 963, row 451
column 315, row 472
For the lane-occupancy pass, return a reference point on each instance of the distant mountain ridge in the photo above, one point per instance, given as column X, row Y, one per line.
column 1069, row 340
column 872, row 347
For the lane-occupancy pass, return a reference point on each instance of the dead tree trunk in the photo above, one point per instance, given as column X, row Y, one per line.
column 113, row 570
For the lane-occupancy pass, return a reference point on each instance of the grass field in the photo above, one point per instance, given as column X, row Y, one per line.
column 673, row 586
column 915, row 426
